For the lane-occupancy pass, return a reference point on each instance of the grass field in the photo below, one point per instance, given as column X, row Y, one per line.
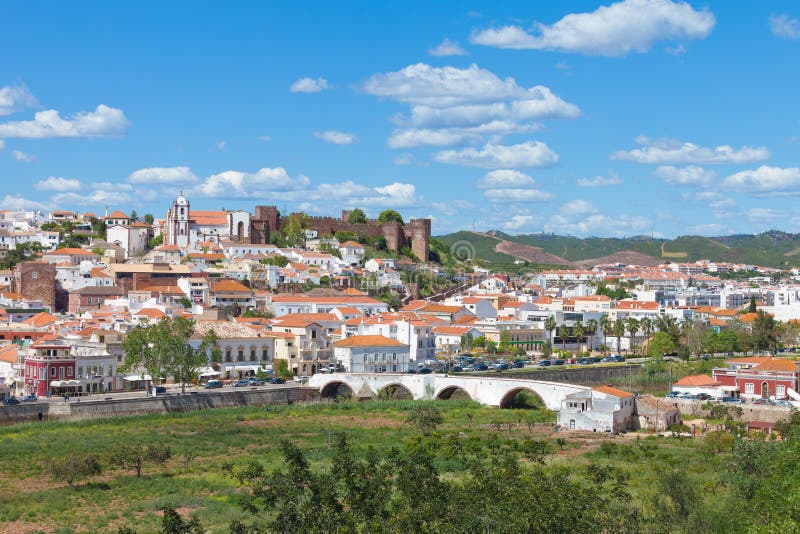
column 31, row 502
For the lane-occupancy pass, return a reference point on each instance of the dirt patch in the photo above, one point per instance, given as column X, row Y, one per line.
column 22, row 527
column 532, row 254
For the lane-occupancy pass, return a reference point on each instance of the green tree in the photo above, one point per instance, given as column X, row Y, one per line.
column 660, row 344
column 752, row 307
column 20, row 253
column 591, row 329
column 607, row 327
column 134, row 217
column 632, row 326
column 669, row 325
column 579, row 332
column 157, row 241
column 357, row 216
column 550, row 325
column 173, row 523
column 186, row 361
column 505, row 341
column 74, row 467
column 148, row 219
column 466, row 342
column 390, row 216
column 563, row 333
column 618, row 330
column 282, row 370
column 133, row 456
column 547, row 350
column 765, row 332
column 425, row 417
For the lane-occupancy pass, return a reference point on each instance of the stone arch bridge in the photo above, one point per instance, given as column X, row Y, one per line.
column 488, row 390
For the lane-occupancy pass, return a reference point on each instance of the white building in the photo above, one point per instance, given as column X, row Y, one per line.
column 601, row 409
column 133, row 238
column 371, row 354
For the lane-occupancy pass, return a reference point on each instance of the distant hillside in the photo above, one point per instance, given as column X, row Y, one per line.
column 770, row 249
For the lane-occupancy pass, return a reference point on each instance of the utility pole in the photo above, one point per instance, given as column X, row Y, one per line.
column 670, row 376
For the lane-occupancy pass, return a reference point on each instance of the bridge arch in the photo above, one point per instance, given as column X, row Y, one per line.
column 452, row 392
column 395, row 391
column 337, row 389
column 508, row 399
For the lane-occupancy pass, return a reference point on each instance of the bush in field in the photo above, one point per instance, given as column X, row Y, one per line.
column 425, row 418
column 74, row 467
column 134, row 456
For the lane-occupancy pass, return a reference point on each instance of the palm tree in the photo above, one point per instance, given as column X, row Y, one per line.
column 591, row 329
column 578, row 331
column 632, row 326
column 605, row 327
column 563, row 333
column 646, row 325
column 550, row 325
column 618, row 330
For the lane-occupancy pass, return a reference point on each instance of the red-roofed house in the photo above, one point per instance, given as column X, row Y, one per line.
column 448, row 338
column 765, row 378
column 371, row 354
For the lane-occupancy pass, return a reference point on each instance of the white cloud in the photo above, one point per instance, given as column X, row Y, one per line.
column 309, row 85
column 452, row 106
column 580, row 217
column 516, row 195
column 710, row 229
column 615, row 30
column 163, row 175
column 600, row 181
column 264, row 138
column 53, row 183
column 784, row 26
column 762, row 215
column 22, row 156
column 689, row 175
column 672, row 151
column 2, row 145
column 16, row 202
column 14, row 98
column 518, row 221
column 765, row 180
column 102, row 122
column 337, row 138
column 351, row 194
column 447, row 48
column 220, row 145
column 720, row 205
column 527, row 154
column 404, row 159
column 504, row 178
column 235, row 184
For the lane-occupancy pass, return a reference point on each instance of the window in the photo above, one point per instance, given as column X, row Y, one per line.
column 34, row 275
column 264, row 354
column 53, row 372
column 252, row 355
column 749, row 388
column 228, row 355
column 780, row 390
column 69, row 371
column 241, row 355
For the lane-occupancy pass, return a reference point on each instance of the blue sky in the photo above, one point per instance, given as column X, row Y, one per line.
column 584, row 118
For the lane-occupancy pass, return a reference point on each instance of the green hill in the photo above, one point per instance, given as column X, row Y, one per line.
column 768, row 249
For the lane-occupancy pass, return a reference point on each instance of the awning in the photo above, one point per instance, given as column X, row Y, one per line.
column 136, row 378
column 247, row 367
column 210, row 373
column 65, row 383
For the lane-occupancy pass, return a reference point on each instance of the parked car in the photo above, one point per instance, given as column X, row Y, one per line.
column 673, row 394
column 480, row 367
column 762, row 401
column 615, row 358
column 456, row 369
column 161, row 390
column 501, row 367
column 255, row 381
column 702, row 396
column 705, row 356
column 11, row 401
column 782, row 403
column 213, row 384
column 241, row 383
column 277, row 380
column 545, row 363
column 594, row 359
column 731, row 400
column 558, row 362
column 519, row 364
column 583, row 361
column 301, row 379
column 412, row 371
column 29, row 398
column 424, row 370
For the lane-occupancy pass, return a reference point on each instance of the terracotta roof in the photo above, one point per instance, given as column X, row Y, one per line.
column 40, row 319
column 777, row 364
column 696, row 381
column 351, row 244
column 70, row 252
column 637, row 305
column 210, row 218
column 451, row 330
column 755, row 360
column 9, row 353
column 440, row 308
column 151, row 313
column 369, row 341
column 608, row 390
column 117, row 215
column 230, row 286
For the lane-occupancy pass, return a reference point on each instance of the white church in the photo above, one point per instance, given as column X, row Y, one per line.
column 189, row 228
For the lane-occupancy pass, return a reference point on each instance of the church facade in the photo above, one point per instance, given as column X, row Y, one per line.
column 190, row 229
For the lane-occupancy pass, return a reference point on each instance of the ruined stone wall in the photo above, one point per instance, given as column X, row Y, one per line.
column 36, row 280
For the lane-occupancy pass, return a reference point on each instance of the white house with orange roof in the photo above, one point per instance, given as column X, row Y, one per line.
column 301, row 303
column 592, row 303
column 636, row 309
column 243, row 350
column 117, row 218
column 448, row 337
column 132, row 238
column 351, row 252
column 413, row 329
column 224, row 293
column 371, row 354
column 600, row 409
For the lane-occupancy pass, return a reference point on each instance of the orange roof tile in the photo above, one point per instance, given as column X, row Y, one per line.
column 117, row 215
column 151, row 313
column 230, row 286
column 696, row 381
column 40, row 320
column 210, row 218
column 369, row 341
column 778, row 364
column 608, row 390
